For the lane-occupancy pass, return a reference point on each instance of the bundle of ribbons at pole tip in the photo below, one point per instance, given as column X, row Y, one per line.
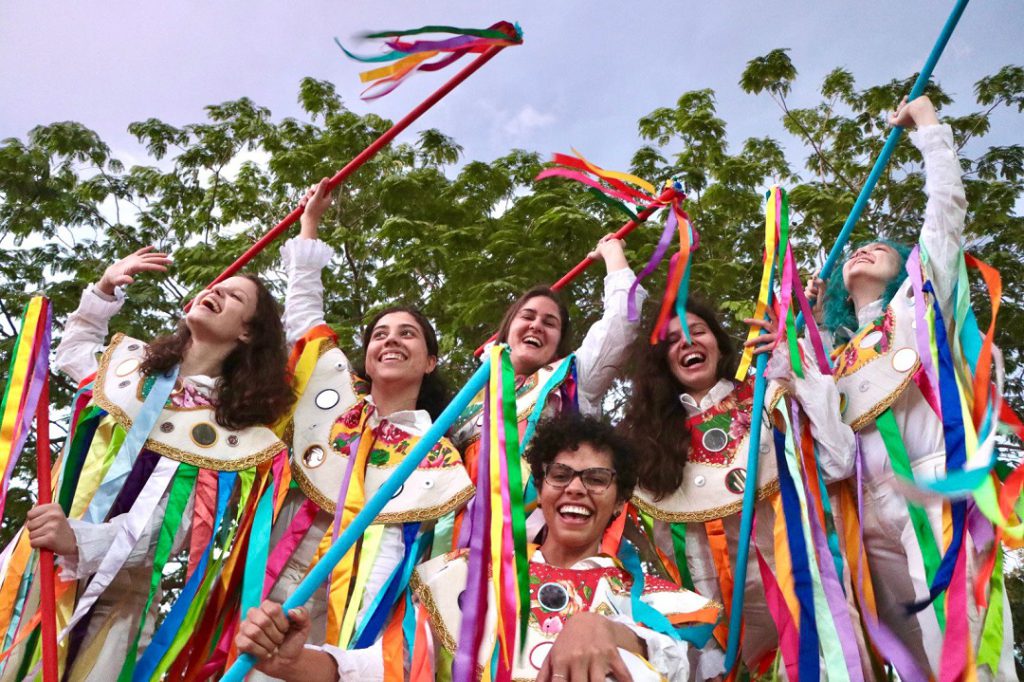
column 619, row 190
column 408, row 57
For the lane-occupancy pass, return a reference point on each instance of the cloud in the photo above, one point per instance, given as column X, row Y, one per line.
column 527, row 120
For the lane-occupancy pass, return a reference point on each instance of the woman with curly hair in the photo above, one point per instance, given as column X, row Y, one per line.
column 583, row 620
column 351, row 427
column 691, row 422
column 169, row 447
column 876, row 314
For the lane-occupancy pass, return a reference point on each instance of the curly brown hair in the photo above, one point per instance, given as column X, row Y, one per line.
column 567, row 431
column 655, row 419
column 253, row 388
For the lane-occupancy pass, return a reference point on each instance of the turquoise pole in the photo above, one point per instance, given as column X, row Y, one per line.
column 320, row 572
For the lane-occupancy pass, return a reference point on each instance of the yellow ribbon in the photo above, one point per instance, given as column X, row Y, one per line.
column 766, row 277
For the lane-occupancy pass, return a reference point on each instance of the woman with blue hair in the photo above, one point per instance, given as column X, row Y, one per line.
column 875, row 308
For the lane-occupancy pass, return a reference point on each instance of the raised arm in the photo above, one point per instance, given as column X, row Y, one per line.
column 304, row 258
column 942, row 232
column 601, row 355
column 86, row 329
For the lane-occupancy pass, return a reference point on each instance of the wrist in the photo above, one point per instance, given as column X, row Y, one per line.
column 105, row 287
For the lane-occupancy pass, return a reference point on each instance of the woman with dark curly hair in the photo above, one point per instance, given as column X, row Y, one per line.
column 873, row 311
column 351, row 427
column 168, row 427
column 583, row 623
column 691, row 423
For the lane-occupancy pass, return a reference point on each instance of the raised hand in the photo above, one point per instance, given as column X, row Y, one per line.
column 316, row 201
column 609, row 249
column 763, row 343
column 815, row 293
column 123, row 272
column 920, row 112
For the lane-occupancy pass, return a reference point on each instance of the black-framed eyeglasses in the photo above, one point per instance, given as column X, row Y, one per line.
column 595, row 479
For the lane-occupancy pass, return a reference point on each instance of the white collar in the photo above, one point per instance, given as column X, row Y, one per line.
column 416, row 422
column 596, row 561
column 715, row 395
column 869, row 313
column 206, row 384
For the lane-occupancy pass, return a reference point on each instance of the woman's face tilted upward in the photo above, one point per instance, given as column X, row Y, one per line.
column 693, row 364
column 223, row 312
column 871, row 267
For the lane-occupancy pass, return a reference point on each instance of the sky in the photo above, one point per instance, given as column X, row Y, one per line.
column 586, row 73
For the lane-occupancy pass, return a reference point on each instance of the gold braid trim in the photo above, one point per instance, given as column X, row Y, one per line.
column 121, row 417
column 426, row 598
column 764, row 492
column 429, row 513
column 423, row 514
column 885, row 403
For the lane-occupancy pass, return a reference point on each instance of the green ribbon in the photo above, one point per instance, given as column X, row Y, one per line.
column 991, row 647
column 679, row 549
column 515, row 484
column 900, row 461
column 181, row 491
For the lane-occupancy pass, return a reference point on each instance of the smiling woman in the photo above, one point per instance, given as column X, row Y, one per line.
column 692, row 425
column 349, row 430
column 158, row 431
column 583, row 619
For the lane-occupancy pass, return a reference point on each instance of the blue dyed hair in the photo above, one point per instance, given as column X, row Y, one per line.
column 839, row 311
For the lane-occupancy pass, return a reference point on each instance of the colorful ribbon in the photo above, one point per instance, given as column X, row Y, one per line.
column 410, row 57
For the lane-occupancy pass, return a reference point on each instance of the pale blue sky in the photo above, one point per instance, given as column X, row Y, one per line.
column 587, row 71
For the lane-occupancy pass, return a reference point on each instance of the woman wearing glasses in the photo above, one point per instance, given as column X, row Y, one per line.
column 582, row 624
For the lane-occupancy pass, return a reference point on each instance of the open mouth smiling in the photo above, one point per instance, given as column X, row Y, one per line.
column 692, row 359
column 574, row 513
column 532, row 341
column 392, row 356
column 211, row 304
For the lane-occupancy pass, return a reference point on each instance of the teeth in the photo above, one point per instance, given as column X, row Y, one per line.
column 391, row 356
column 691, row 359
column 574, row 509
column 533, row 341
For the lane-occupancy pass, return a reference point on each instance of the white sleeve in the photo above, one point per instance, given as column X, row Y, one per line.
column 601, row 355
column 389, row 555
column 85, row 332
column 942, row 232
column 818, row 395
column 94, row 541
column 668, row 656
column 304, row 298
column 357, row 665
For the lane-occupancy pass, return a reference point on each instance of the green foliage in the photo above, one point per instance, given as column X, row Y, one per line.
column 461, row 238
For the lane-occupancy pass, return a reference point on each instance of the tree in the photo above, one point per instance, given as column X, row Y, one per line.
column 461, row 242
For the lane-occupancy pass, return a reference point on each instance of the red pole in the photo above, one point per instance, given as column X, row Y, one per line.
column 359, row 160
column 660, row 202
column 47, row 592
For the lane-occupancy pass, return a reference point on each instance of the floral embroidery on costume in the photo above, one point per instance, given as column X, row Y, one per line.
column 716, row 433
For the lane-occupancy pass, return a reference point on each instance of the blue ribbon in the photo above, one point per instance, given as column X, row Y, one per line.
column 377, row 614
column 802, row 581
column 123, row 462
column 164, row 636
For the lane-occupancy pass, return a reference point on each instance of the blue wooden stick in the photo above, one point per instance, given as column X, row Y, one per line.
column 890, row 144
column 747, row 515
column 321, row 571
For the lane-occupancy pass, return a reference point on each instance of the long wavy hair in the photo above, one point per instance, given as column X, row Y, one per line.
column 253, row 388
column 655, row 419
column 564, row 346
column 839, row 313
column 434, row 392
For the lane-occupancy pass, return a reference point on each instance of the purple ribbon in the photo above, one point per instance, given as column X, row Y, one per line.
column 474, row 607
column 659, row 254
